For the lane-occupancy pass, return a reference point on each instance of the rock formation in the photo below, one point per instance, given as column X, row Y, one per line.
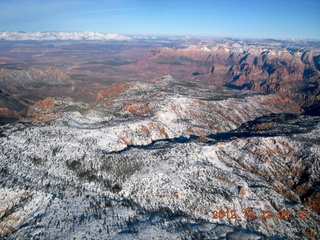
column 270, row 69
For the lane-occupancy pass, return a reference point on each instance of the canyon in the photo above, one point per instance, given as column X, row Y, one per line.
column 151, row 138
column 83, row 68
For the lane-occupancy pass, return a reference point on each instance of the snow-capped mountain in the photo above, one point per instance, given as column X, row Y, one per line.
column 50, row 36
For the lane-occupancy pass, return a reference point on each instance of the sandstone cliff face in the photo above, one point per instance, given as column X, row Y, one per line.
column 20, row 89
column 111, row 92
column 43, row 110
column 269, row 69
column 49, row 109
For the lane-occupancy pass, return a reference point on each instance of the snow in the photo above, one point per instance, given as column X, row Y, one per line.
column 210, row 153
column 51, row 36
column 77, row 180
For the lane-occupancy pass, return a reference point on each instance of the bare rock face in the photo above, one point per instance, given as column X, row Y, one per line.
column 110, row 92
column 49, row 109
column 269, row 69
column 43, row 111
column 20, row 89
column 244, row 190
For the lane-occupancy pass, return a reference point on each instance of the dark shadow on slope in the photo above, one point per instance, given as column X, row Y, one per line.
column 271, row 125
column 313, row 110
column 179, row 224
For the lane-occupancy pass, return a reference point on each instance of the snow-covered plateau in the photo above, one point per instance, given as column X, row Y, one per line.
column 158, row 161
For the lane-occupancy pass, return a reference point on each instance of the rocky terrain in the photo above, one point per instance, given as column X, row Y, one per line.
column 225, row 145
column 33, row 70
column 261, row 67
column 20, row 89
column 162, row 160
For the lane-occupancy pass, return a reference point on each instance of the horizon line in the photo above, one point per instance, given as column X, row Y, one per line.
column 168, row 35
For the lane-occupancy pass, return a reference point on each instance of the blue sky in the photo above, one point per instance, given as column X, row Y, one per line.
column 282, row 19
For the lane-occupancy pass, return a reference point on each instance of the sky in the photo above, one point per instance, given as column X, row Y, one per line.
column 280, row 19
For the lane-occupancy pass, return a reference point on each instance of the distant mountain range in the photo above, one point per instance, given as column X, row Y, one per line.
column 50, row 36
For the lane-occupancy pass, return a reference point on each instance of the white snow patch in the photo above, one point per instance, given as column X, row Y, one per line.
column 210, row 153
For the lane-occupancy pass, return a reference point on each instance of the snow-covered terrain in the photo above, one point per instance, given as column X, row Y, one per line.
column 51, row 36
column 156, row 160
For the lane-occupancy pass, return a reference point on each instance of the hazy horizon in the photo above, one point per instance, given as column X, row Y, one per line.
column 284, row 19
column 203, row 37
